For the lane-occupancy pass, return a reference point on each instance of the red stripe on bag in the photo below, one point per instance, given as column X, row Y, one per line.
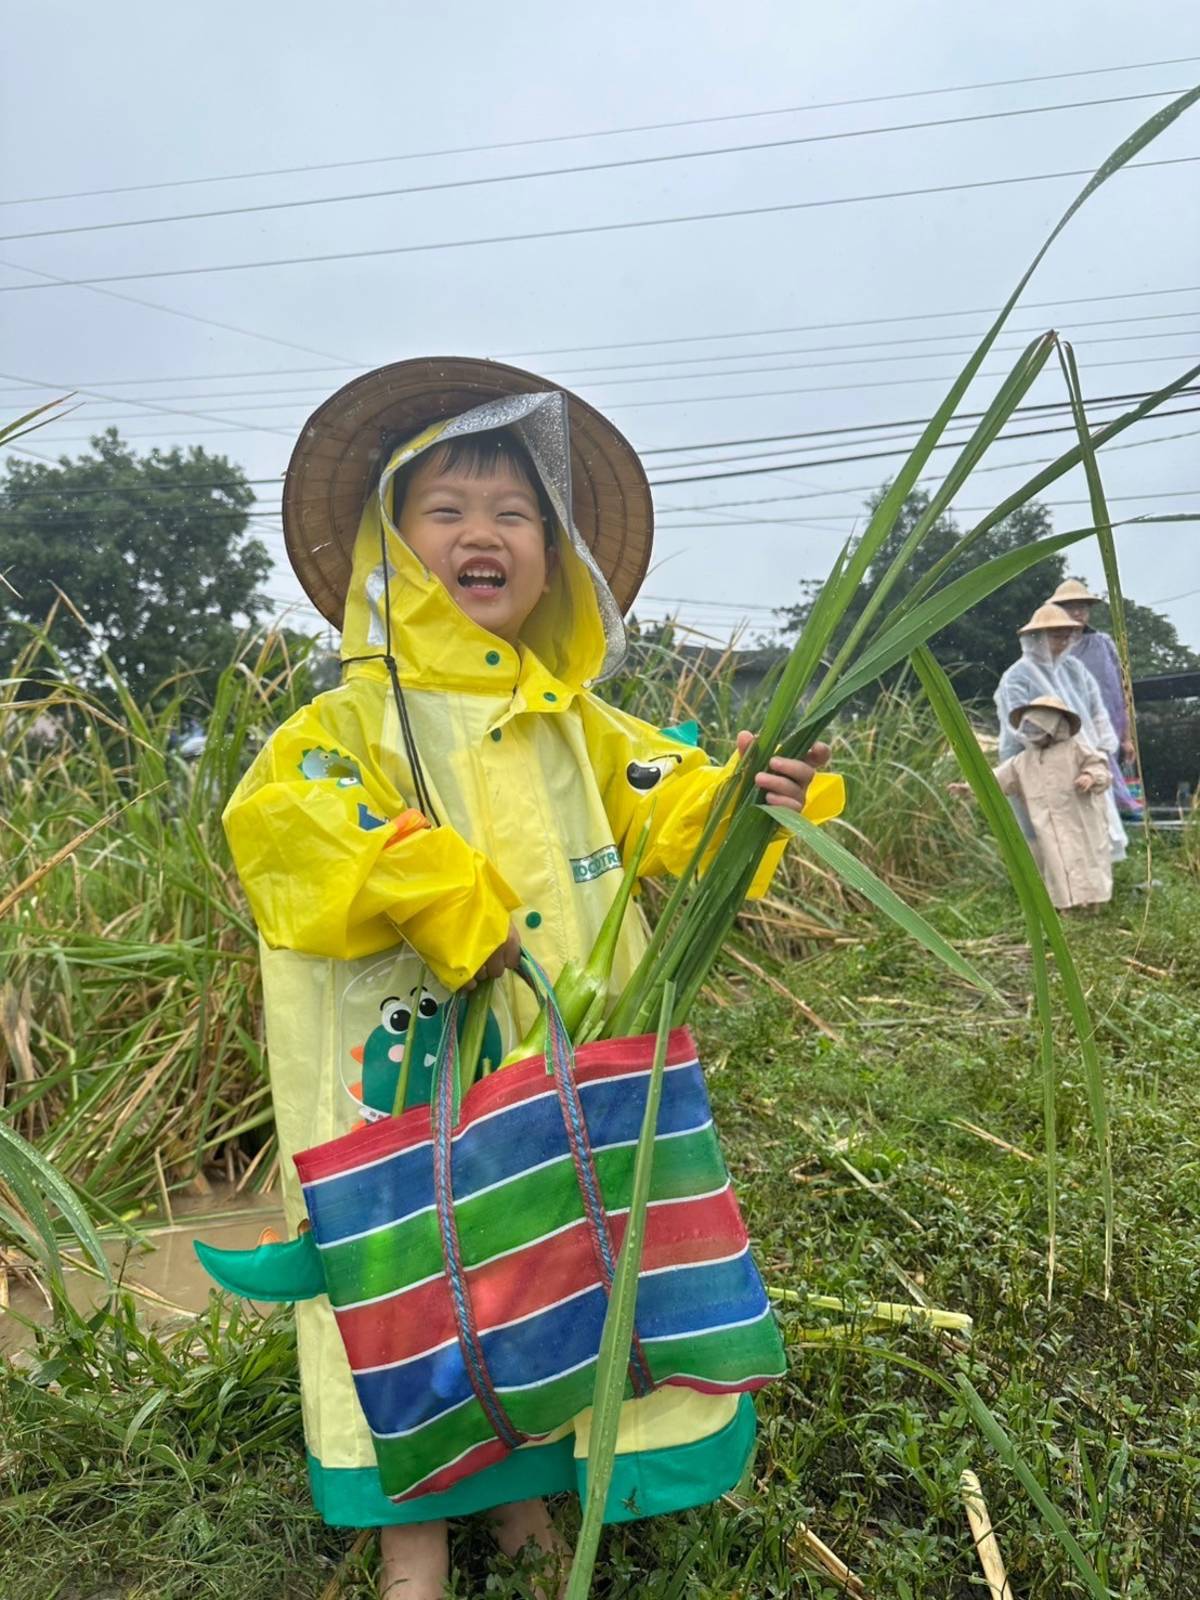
column 415, row 1321
column 482, row 1455
column 604, row 1058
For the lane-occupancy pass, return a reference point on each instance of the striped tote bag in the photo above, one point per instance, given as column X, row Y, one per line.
column 469, row 1248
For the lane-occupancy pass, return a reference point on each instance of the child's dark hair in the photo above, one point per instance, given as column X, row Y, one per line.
column 476, row 455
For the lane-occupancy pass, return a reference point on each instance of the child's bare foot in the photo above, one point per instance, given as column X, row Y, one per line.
column 527, row 1522
column 414, row 1561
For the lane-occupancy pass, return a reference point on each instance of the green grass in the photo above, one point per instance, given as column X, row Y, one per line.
column 205, row 1494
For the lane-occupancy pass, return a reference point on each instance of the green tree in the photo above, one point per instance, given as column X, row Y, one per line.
column 977, row 648
column 151, row 549
column 1154, row 645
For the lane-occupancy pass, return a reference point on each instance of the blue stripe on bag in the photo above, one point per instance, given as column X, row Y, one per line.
column 686, row 1300
column 506, row 1146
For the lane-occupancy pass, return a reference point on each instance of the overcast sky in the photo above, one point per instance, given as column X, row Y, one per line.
column 834, row 312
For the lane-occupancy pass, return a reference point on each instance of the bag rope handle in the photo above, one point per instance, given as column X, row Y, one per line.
column 444, row 1112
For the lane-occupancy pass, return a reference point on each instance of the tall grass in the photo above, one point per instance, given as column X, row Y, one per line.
column 130, row 1014
column 128, row 970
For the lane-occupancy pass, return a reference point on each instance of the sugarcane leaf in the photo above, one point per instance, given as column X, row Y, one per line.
column 1008, row 397
column 1108, row 550
column 892, row 644
column 1042, row 924
column 617, row 1337
column 1000, row 1442
column 1041, row 480
column 859, row 877
column 11, row 431
column 885, row 514
column 470, row 1040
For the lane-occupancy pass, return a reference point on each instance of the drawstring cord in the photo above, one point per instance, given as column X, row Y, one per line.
column 420, row 785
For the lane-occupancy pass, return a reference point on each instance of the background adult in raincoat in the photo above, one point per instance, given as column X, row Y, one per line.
column 1048, row 666
column 1098, row 652
column 389, row 914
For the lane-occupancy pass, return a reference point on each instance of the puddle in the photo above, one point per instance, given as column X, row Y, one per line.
column 162, row 1274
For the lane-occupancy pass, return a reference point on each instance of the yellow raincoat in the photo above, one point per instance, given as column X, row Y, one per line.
column 541, row 788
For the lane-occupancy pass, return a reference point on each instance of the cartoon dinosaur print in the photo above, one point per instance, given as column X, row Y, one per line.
column 381, row 1056
column 647, row 775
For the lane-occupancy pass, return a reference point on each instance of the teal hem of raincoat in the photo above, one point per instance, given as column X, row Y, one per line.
column 653, row 1483
column 352, row 1497
column 646, row 1483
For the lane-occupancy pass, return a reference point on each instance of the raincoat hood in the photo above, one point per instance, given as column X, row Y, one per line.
column 1035, row 647
column 394, row 602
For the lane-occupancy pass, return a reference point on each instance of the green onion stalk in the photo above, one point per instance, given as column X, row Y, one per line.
column 582, row 990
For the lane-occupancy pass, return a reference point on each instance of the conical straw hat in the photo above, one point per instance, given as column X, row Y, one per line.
column 1072, row 589
column 1049, row 616
column 337, row 457
column 1047, row 702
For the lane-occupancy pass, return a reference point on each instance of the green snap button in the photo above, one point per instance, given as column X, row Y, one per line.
column 492, row 658
column 496, row 735
column 549, row 695
column 533, row 919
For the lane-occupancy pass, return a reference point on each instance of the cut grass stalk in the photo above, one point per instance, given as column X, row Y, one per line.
column 617, row 1337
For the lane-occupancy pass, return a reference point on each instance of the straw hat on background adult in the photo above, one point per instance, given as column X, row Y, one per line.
column 1072, row 590
column 337, row 459
column 1049, row 616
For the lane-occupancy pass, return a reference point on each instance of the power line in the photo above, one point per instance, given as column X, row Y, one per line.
column 901, row 422
column 885, row 438
column 601, row 133
column 869, row 359
column 912, row 316
column 52, row 280
column 855, row 516
column 205, row 508
column 1002, row 466
column 308, row 396
column 307, row 390
column 975, row 334
column 579, row 170
column 961, row 419
column 629, row 405
column 823, row 388
column 584, row 230
column 157, row 407
column 859, row 322
column 881, row 455
column 832, row 388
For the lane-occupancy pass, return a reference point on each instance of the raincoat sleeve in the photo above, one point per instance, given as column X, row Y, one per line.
column 1096, row 714
column 647, row 774
column 1006, row 776
column 1094, row 764
column 335, row 863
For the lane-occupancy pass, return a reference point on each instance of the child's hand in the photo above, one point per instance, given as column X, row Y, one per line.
column 1084, row 782
column 504, row 959
column 786, row 781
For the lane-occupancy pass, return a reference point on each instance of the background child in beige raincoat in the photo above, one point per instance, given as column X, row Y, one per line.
column 1062, row 782
column 476, row 536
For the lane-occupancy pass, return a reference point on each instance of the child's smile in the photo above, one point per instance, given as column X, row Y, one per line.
column 482, row 536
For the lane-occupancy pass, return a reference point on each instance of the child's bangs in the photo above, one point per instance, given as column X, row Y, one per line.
column 481, row 455
column 478, row 455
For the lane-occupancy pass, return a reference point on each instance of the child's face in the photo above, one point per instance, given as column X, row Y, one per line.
column 482, row 536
